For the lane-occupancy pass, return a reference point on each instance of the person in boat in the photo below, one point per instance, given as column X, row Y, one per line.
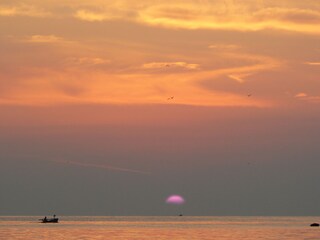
column 45, row 219
column 54, row 216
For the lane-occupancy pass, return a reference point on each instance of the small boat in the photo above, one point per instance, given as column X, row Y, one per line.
column 314, row 225
column 49, row 220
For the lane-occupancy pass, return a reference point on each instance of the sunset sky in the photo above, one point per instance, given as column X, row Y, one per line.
column 109, row 107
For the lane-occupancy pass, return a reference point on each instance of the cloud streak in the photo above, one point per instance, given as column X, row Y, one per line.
column 313, row 63
column 45, row 39
column 157, row 65
column 91, row 16
column 101, row 166
column 189, row 14
column 239, row 19
column 23, row 10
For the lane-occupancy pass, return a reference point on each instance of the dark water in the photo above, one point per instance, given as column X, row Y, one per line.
column 218, row 228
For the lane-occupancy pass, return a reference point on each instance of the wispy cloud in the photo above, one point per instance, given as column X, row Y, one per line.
column 188, row 14
column 86, row 61
column 196, row 14
column 51, row 39
column 107, row 12
column 101, row 166
column 155, row 65
column 91, row 16
column 23, row 10
column 301, row 95
column 238, row 16
column 313, row 63
column 289, row 15
column 239, row 77
column 306, row 97
column 224, row 46
column 44, row 39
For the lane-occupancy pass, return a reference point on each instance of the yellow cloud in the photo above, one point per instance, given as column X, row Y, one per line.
column 53, row 40
column 290, row 15
column 224, row 47
column 155, row 65
column 239, row 15
column 85, row 61
column 231, row 15
column 23, row 10
column 44, row 39
column 197, row 18
column 91, row 16
column 313, row 63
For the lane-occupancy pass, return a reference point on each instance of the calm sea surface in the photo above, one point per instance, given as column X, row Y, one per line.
column 218, row 228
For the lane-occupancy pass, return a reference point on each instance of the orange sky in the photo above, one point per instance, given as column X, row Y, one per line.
column 86, row 126
column 206, row 53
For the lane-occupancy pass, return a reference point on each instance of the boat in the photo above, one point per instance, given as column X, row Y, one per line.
column 314, row 225
column 49, row 220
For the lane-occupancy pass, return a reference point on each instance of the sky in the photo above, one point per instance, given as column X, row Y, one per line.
column 109, row 107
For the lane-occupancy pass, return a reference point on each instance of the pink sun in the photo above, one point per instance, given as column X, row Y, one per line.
column 175, row 199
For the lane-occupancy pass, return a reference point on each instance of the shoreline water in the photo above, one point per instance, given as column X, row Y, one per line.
column 164, row 227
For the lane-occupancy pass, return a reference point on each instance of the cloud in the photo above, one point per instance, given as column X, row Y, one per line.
column 23, row 10
column 52, row 40
column 106, row 13
column 196, row 14
column 188, row 14
column 313, row 63
column 149, row 63
column 301, row 95
column 239, row 77
column 224, row 47
column 44, row 39
column 157, row 65
column 314, row 99
column 102, row 166
column 309, row 98
column 86, row 61
column 91, row 16
column 244, row 79
column 72, row 75
column 289, row 15
column 237, row 16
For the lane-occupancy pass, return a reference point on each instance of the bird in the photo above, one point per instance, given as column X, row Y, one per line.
column 249, row 95
column 170, row 98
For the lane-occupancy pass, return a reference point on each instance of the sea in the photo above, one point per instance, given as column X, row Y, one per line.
column 159, row 228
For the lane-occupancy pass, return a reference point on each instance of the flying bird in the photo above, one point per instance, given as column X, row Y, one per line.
column 249, row 95
column 170, row 98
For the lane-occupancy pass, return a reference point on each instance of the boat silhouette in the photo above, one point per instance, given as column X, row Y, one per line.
column 49, row 220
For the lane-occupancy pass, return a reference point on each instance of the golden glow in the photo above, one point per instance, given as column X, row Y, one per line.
column 91, row 16
column 23, row 10
column 44, row 39
column 210, row 53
